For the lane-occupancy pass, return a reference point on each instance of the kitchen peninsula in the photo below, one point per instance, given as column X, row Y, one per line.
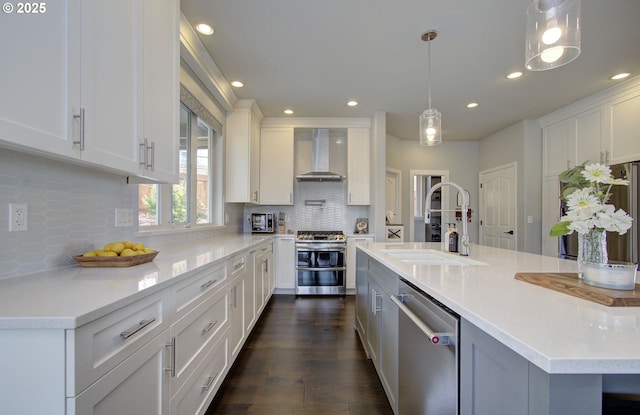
column 523, row 348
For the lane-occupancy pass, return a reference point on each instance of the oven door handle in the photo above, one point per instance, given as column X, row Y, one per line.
column 438, row 339
column 307, row 248
column 321, row 269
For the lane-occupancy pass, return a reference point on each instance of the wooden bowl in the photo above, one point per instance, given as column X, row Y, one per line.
column 114, row 261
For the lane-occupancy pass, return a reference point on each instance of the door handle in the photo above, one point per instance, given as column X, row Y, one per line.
column 510, row 232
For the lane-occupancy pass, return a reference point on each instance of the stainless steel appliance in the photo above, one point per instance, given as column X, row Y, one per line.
column 428, row 358
column 263, row 223
column 320, row 263
column 620, row 248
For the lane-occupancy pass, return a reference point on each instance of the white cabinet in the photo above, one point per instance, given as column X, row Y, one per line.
column 139, row 385
column 243, row 153
column 37, row 105
column 111, row 81
column 237, row 304
column 352, row 241
column 285, row 258
column 550, row 214
column 276, row 166
column 264, row 272
column 625, row 124
column 358, row 166
column 556, row 154
column 161, row 83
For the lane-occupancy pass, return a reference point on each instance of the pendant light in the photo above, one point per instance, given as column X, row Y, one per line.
column 431, row 119
column 553, row 33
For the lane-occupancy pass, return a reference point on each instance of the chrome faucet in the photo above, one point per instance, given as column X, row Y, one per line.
column 464, row 239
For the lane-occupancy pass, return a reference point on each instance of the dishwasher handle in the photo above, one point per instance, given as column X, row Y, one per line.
column 438, row 339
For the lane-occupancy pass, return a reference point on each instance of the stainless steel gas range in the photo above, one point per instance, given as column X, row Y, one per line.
column 320, row 263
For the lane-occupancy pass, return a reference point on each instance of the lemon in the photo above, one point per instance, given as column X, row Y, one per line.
column 149, row 250
column 140, row 252
column 99, row 252
column 128, row 244
column 107, row 247
column 128, row 252
column 139, row 246
column 108, row 253
column 117, row 247
column 90, row 253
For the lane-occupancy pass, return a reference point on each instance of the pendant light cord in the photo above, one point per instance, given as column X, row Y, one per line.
column 429, row 68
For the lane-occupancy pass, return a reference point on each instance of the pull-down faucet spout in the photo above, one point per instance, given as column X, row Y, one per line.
column 464, row 242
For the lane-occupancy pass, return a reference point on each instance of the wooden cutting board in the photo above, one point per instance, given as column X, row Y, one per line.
column 569, row 283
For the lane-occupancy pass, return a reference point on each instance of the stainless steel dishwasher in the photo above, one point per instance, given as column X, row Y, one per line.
column 428, row 367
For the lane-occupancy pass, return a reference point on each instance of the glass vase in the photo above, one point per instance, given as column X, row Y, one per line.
column 592, row 248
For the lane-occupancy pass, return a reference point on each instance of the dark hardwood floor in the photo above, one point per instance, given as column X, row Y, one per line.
column 304, row 357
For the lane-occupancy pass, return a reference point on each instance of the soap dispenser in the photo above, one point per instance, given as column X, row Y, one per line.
column 453, row 239
column 445, row 240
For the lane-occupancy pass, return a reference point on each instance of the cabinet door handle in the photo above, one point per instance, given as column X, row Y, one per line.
column 81, row 118
column 133, row 330
column 290, row 197
column 152, row 164
column 374, row 302
column 209, row 327
column 210, row 380
column 606, row 157
column 144, row 153
column 172, row 361
column 208, row 284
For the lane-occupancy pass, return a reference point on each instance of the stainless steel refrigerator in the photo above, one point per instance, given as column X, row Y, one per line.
column 620, row 248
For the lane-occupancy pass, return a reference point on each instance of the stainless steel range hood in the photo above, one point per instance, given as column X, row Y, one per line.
column 320, row 160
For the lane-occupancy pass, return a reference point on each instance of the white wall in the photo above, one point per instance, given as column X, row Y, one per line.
column 459, row 157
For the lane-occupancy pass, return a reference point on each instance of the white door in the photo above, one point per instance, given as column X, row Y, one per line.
column 498, row 207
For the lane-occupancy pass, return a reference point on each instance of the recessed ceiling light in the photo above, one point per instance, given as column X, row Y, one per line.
column 515, row 75
column 352, row 103
column 472, row 105
column 237, row 84
column 204, row 28
column 620, row 76
column 288, row 112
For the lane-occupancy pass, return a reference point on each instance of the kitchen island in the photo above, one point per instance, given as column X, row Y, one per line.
column 558, row 353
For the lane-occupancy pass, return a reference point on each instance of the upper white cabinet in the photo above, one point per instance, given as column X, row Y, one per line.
column 276, row 166
column 243, row 153
column 358, row 166
column 624, row 113
column 37, row 105
column 111, row 81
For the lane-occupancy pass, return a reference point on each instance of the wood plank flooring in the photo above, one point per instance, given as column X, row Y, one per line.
column 304, row 357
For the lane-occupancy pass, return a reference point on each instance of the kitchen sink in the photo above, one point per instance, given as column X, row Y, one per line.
column 429, row 257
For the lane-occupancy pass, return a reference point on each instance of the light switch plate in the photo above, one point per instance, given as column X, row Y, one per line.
column 124, row 218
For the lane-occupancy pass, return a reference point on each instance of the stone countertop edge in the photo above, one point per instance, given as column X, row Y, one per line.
column 70, row 297
column 556, row 332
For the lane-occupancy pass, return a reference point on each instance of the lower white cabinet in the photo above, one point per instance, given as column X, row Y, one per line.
column 139, row 385
column 163, row 354
column 285, row 257
column 352, row 242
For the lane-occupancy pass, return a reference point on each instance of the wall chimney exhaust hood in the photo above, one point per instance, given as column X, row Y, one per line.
column 320, row 160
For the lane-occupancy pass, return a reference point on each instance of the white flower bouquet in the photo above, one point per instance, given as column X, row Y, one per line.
column 587, row 191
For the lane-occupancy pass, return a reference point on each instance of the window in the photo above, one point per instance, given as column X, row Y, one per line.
column 197, row 198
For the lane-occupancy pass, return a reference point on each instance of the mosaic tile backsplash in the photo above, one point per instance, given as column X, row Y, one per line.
column 71, row 209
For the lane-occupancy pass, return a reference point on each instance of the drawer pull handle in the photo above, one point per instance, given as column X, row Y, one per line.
column 209, row 382
column 133, row 330
column 238, row 266
column 209, row 327
column 172, row 358
column 208, row 284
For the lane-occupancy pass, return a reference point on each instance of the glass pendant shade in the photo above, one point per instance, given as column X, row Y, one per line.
column 430, row 127
column 553, row 33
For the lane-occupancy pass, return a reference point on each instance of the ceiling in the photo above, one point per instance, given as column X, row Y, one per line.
column 313, row 56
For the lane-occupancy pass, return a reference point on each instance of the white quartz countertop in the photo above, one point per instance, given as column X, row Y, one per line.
column 70, row 297
column 557, row 332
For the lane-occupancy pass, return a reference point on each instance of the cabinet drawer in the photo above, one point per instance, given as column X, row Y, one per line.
column 195, row 331
column 97, row 347
column 237, row 266
column 190, row 292
column 197, row 393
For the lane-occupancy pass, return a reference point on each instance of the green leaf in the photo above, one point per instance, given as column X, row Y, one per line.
column 560, row 228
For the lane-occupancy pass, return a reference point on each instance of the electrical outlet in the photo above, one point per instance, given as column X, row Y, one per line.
column 123, row 218
column 17, row 217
